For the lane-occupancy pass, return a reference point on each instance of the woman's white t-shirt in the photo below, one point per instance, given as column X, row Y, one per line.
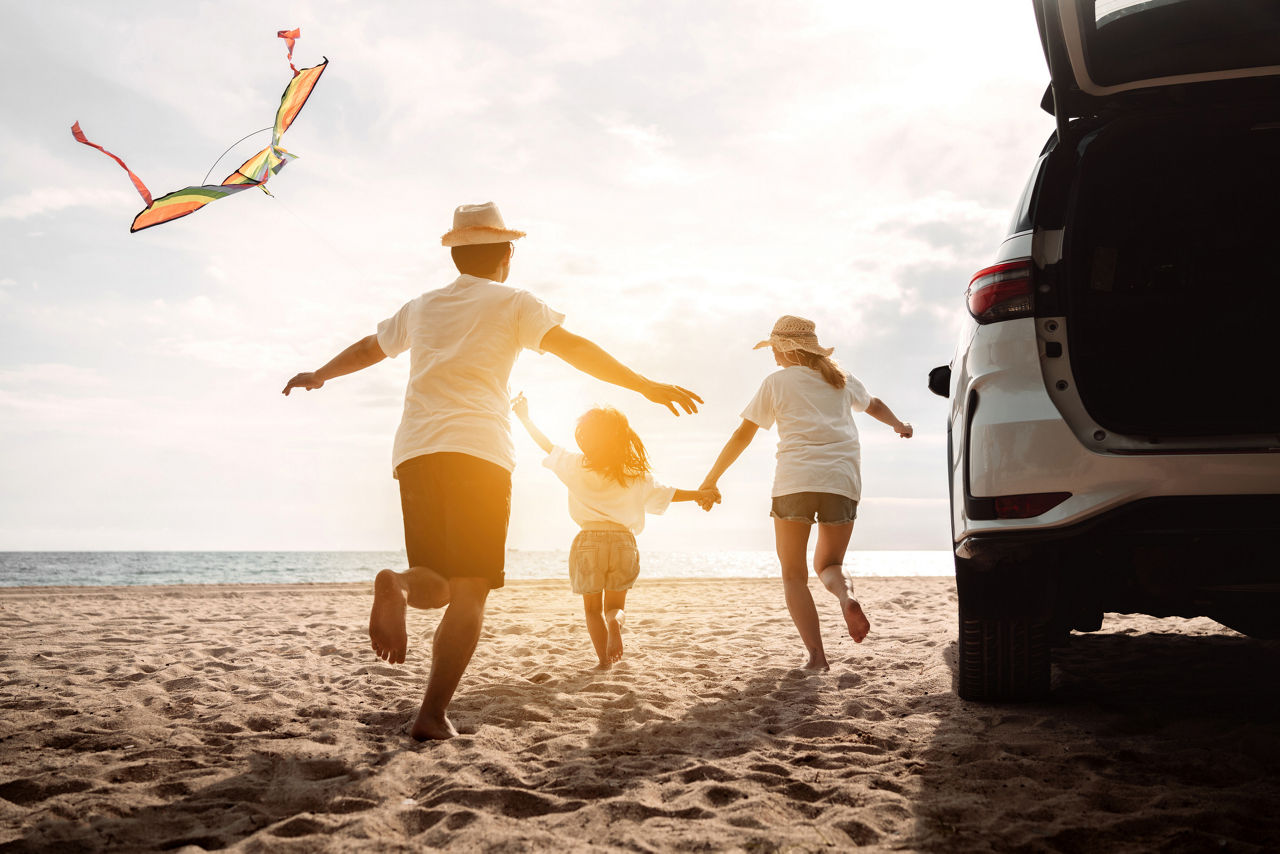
column 596, row 498
column 818, row 448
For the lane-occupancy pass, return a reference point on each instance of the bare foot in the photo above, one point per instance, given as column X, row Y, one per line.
column 613, row 622
column 387, row 634
column 604, row 665
column 431, row 728
column 817, row 661
column 857, row 621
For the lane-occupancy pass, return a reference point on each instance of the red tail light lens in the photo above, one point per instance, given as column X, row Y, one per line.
column 1001, row 292
column 1028, row 505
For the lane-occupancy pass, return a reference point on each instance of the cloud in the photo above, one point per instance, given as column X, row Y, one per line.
column 47, row 200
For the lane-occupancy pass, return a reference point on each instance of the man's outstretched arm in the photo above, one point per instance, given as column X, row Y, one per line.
column 590, row 358
column 357, row 357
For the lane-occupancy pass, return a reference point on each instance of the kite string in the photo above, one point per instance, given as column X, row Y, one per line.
column 228, row 151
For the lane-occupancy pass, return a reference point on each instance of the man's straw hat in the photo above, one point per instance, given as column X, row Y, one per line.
column 795, row 333
column 474, row 224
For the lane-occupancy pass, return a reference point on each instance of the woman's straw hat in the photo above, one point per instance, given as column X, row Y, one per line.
column 795, row 333
column 474, row 224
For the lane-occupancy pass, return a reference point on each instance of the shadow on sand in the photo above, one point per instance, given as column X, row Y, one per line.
column 1166, row 742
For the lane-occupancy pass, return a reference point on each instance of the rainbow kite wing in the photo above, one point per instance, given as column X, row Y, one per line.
column 254, row 172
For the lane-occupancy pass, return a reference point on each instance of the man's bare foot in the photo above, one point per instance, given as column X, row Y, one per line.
column 857, row 621
column 817, row 661
column 432, row 728
column 613, row 622
column 387, row 634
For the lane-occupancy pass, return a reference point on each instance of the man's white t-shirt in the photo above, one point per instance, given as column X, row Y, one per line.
column 818, row 448
column 596, row 498
column 462, row 340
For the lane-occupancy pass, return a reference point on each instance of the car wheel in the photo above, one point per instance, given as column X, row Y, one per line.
column 1001, row 658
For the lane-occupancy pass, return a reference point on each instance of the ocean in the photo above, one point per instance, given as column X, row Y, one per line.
column 18, row 569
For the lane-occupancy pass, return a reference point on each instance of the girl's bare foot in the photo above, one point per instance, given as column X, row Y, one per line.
column 857, row 621
column 387, row 634
column 604, row 665
column 817, row 661
column 432, row 728
column 613, row 622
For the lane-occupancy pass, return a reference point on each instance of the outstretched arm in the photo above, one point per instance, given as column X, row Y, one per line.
column 357, row 357
column 590, row 358
column 520, row 406
column 877, row 410
column 732, row 449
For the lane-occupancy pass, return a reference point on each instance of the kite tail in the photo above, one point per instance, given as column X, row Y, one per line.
column 137, row 182
column 289, row 36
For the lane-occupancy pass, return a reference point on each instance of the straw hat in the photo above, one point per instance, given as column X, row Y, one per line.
column 795, row 333
column 474, row 224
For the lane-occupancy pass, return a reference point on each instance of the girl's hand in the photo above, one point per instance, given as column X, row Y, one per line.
column 905, row 430
column 708, row 497
column 519, row 405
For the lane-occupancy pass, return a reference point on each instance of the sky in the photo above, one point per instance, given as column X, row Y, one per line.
column 686, row 173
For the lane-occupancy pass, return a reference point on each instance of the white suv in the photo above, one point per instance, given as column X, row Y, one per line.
column 1114, row 429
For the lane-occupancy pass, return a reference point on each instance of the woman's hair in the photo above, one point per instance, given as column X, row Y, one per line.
column 609, row 446
column 479, row 259
column 825, row 365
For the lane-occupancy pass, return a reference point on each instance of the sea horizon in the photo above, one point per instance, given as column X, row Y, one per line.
column 142, row 567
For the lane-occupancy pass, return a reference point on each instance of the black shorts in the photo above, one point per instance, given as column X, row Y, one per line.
column 827, row 507
column 456, row 508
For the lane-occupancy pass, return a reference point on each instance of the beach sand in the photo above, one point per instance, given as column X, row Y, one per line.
column 188, row 718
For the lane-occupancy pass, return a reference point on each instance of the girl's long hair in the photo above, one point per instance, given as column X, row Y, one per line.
column 609, row 446
column 825, row 365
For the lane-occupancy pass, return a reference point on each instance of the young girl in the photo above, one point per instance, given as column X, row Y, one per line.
column 610, row 490
column 812, row 400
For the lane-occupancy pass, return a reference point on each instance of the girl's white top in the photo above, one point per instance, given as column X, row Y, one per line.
column 596, row 498
column 818, row 448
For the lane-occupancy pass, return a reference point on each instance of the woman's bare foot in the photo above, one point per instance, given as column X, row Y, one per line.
column 613, row 621
column 857, row 621
column 817, row 661
column 604, row 665
column 432, row 728
column 387, row 634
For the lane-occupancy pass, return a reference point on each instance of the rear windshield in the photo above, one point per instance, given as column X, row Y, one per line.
column 1131, row 40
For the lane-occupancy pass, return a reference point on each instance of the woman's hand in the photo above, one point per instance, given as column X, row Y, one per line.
column 904, row 429
column 708, row 497
column 520, row 405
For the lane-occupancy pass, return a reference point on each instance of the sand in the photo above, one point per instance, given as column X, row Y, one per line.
column 256, row 718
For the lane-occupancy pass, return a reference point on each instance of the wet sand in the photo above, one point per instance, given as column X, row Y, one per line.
column 257, row 718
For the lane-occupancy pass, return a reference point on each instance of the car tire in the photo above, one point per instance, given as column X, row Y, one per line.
column 1006, row 630
column 1003, row 660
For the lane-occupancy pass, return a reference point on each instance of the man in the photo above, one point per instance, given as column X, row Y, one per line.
column 453, row 452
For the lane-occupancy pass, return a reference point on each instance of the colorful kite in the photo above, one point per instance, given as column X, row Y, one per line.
column 254, row 172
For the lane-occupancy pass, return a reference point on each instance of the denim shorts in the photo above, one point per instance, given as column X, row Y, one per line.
column 603, row 559
column 826, row 507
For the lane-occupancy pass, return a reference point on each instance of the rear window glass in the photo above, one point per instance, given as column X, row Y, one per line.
column 1130, row 40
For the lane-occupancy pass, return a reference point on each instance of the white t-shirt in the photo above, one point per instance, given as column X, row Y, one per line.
column 818, row 448
column 596, row 498
column 462, row 341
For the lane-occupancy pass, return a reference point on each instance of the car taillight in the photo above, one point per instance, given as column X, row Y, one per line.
column 1001, row 292
column 1028, row 505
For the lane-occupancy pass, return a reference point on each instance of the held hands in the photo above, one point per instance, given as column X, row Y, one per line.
column 707, row 498
column 671, row 395
column 306, row 379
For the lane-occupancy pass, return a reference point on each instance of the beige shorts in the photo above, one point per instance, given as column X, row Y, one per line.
column 603, row 560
